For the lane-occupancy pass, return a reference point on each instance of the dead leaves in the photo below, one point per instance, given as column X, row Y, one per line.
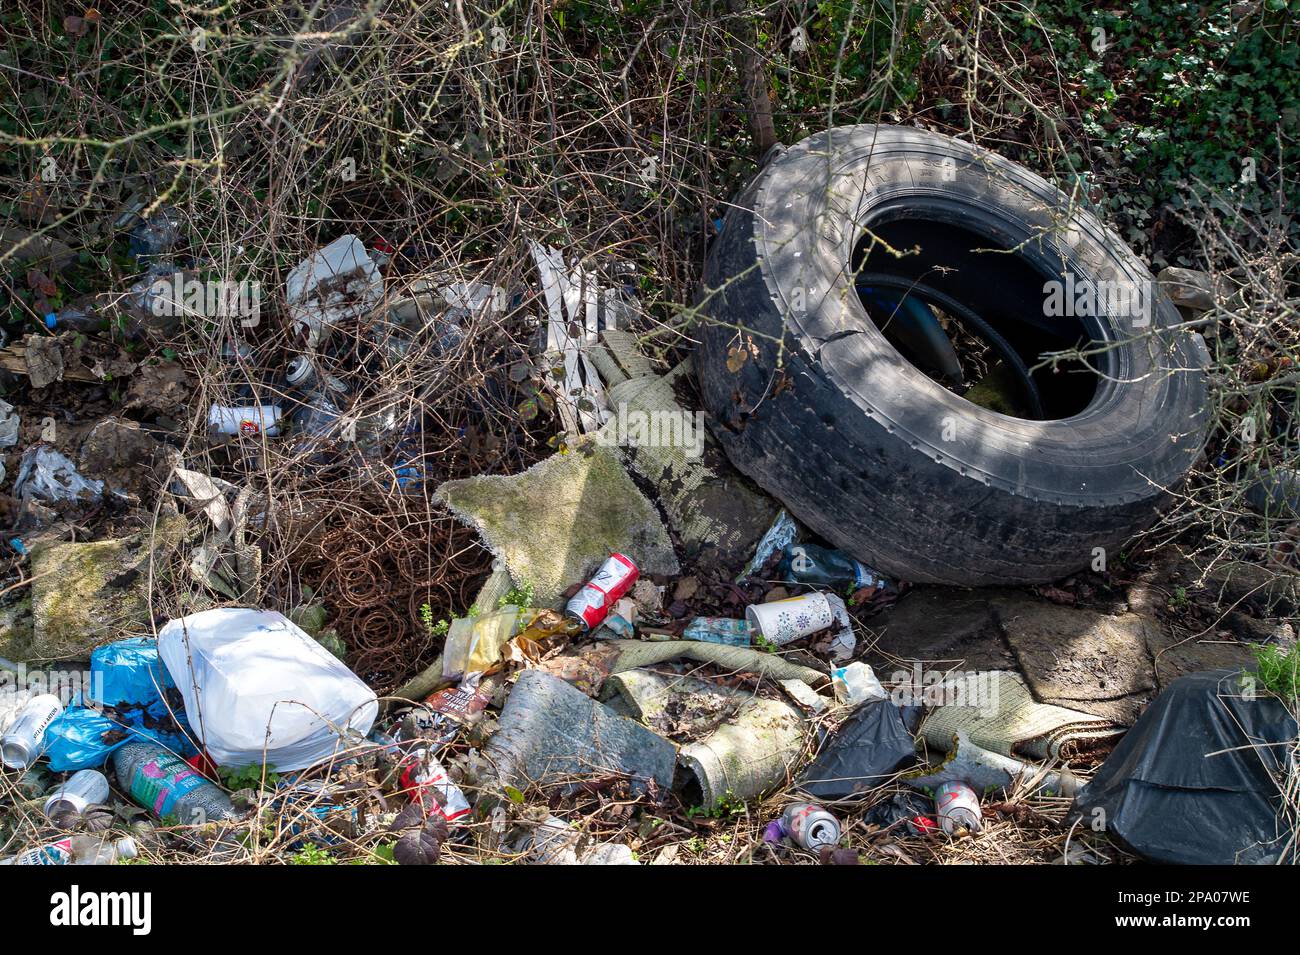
column 738, row 355
column 80, row 26
column 163, row 387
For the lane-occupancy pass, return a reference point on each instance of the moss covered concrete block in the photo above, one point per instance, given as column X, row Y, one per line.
column 85, row 595
column 555, row 523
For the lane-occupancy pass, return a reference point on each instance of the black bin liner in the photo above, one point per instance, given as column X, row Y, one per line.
column 1165, row 797
column 869, row 746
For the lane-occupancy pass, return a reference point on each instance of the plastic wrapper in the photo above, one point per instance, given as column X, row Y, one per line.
column 127, row 684
column 723, row 630
column 47, row 475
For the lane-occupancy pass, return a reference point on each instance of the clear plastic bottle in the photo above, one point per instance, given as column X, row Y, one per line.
column 158, row 234
column 84, row 849
column 810, row 564
column 168, row 786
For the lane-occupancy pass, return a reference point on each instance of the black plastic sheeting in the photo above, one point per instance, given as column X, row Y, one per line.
column 869, row 746
column 1196, row 780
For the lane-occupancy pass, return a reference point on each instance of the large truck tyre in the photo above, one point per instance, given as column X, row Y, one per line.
column 890, row 458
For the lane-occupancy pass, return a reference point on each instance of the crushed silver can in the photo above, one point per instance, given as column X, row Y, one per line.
column 958, row 807
column 25, row 739
column 592, row 603
column 810, row 826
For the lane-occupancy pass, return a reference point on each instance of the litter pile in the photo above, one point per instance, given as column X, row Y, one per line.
column 432, row 641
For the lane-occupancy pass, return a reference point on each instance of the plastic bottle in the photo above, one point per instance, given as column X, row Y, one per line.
column 25, row 739
column 158, row 234
column 84, row 849
column 810, row 564
column 315, row 419
column 315, row 414
column 167, row 786
column 77, row 319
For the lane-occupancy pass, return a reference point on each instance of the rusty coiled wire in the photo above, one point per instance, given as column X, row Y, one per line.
column 376, row 569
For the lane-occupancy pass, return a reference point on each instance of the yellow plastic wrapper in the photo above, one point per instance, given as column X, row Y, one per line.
column 476, row 644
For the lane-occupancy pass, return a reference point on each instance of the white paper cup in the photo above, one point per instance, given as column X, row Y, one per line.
column 782, row 621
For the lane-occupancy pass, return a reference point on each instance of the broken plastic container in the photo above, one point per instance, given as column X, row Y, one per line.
column 258, row 689
column 336, row 283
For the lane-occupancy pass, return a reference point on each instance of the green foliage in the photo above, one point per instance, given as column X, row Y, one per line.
column 1179, row 599
column 381, row 854
column 1278, row 671
column 521, row 597
column 863, row 56
column 133, row 72
column 249, row 777
column 436, row 628
column 1180, row 97
column 728, row 806
column 312, row 854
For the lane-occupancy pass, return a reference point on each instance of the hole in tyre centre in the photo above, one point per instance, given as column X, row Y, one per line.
column 969, row 313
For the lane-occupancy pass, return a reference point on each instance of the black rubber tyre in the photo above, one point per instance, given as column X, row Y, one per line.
column 880, row 459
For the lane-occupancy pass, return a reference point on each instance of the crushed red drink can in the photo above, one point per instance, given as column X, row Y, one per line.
column 592, row 603
column 427, row 783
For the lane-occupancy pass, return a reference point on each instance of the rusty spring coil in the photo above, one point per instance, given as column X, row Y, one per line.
column 375, row 574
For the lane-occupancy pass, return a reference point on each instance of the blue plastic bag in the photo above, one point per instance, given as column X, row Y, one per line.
column 125, row 680
column 128, row 671
column 75, row 740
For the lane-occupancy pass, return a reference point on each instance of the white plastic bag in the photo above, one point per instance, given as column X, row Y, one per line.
column 257, row 687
